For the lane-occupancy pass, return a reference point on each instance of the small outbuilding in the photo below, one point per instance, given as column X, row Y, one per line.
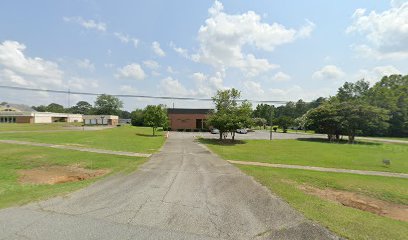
column 110, row 120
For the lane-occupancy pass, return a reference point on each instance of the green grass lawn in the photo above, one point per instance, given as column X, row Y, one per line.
column 363, row 156
column 35, row 127
column 125, row 138
column 345, row 221
column 17, row 157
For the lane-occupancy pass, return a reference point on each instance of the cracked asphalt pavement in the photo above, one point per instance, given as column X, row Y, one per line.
column 182, row 192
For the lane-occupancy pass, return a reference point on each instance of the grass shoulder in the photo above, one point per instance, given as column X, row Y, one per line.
column 315, row 152
column 125, row 138
column 348, row 222
column 17, row 158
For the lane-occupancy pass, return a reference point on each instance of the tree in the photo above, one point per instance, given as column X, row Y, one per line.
column 41, row 108
column 353, row 91
column 360, row 118
column 229, row 115
column 324, row 119
column 259, row 122
column 284, row 122
column 264, row 111
column 82, row 107
column 349, row 118
column 137, row 117
column 108, row 105
column 125, row 115
column 391, row 93
column 155, row 116
column 55, row 108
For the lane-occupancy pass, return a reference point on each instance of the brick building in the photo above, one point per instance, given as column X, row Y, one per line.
column 187, row 119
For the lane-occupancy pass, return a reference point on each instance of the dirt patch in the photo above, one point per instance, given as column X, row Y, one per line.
column 58, row 174
column 355, row 200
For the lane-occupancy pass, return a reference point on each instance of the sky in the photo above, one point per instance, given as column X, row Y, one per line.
column 269, row 50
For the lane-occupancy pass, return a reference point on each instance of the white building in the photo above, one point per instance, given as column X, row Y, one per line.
column 101, row 120
column 15, row 113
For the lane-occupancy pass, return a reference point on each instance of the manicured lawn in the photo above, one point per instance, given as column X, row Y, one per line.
column 345, row 221
column 17, row 157
column 35, row 127
column 308, row 152
column 125, row 138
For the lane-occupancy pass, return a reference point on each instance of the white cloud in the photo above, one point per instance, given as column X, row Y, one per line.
column 181, row 51
column 157, row 49
column 296, row 92
column 171, row 70
column 9, row 77
column 281, row 77
column 255, row 66
column 375, row 74
column 85, row 64
column 124, row 38
column 82, row 83
column 254, row 88
column 397, row 3
column 132, row 71
column 127, row 89
column 328, row 72
column 151, row 64
column 224, row 36
column 173, row 87
column 306, row 30
column 155, row 74
column 22, row 70
column 88, row 24
column 385, row 33
column 206, row 85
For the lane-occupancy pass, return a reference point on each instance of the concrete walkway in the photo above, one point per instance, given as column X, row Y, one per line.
column 182, row 192
column 93, row 150
column 322, row 169
column 384, row 140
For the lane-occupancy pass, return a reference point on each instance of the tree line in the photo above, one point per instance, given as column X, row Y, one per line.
column 103, row 105
column 356, row 109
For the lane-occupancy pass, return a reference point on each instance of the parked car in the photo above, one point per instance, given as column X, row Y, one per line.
column 215, row 131
column 242, row 131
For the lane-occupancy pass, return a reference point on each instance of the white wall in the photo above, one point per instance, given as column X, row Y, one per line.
column 42, row 119
column 72, row 119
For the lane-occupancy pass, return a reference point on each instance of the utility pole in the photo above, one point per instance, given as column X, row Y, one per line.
column 69, row 98
column 270, row 129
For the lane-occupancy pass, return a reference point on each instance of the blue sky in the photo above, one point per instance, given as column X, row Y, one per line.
column 270, row 50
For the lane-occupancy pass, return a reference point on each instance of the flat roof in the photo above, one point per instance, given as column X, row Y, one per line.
column 188, row 111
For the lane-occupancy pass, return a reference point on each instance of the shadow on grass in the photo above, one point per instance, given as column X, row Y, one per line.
column 224, row 142
column 322, row 140
column 147, row 135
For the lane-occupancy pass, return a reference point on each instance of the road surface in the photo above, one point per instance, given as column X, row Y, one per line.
column 183, row 192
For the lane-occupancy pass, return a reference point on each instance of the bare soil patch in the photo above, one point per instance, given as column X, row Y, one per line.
column 58, row 174
column 355, row 200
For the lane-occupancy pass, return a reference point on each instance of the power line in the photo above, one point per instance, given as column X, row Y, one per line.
column 129, row 95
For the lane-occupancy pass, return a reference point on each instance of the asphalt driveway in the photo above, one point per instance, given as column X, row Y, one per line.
column 183, row 192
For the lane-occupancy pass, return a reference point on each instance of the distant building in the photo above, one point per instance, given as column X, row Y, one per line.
column 187, row 119
column 101, row 120
column 125, row 121
column 17, row 113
